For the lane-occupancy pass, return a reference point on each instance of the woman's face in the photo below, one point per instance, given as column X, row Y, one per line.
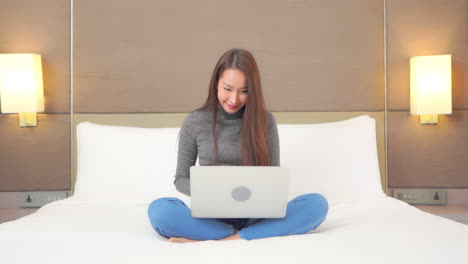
column 232, row 90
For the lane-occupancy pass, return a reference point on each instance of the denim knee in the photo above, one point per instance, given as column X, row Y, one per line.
column 314, row 209
column 161, row 210
column 319, row 201
column 315, row 203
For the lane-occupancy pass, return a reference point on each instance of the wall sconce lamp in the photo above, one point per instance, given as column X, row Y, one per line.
column 21, row 87
column 431, row 87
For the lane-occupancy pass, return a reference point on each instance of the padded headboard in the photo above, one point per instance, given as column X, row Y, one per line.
column 176, row 119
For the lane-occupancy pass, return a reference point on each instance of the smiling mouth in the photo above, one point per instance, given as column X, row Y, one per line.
column 231, row 106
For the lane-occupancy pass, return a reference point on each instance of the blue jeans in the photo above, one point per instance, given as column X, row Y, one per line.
column 170, row 217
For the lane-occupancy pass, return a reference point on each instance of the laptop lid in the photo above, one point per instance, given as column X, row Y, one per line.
column 239, row 191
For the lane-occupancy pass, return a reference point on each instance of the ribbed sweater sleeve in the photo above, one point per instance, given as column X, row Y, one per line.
column 273, row 138
column 187, row 154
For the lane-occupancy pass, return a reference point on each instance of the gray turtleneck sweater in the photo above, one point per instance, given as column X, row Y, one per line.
column 196, row 139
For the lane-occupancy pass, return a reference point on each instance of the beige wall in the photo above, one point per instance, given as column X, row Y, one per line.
column 157, row 56
column 313, row 55
column 38, row 158
column 422, row 155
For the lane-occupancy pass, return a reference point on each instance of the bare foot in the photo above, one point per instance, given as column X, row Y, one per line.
column 181, row 240
column 233, row 237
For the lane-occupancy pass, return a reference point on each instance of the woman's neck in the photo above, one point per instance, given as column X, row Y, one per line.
column 238, row 114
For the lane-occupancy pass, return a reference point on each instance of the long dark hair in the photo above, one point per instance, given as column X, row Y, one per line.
column 255, row 145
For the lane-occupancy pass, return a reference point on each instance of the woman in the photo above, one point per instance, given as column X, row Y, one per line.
column 245, row 134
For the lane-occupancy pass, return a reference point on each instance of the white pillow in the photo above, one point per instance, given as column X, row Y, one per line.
column 337, row 159
column 132, row 164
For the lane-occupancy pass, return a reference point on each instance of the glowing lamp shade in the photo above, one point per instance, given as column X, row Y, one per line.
column 21, row 86
column 431, row 86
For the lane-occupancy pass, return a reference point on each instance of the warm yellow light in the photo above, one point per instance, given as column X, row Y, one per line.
column 431, row 85
column 21, row 86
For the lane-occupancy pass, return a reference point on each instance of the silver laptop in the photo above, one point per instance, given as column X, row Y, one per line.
column 239, row 191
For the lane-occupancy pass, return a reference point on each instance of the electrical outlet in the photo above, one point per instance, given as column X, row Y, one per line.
column 38, row 199
column 421, row 196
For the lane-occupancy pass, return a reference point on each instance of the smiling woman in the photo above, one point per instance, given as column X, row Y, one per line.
column 235, row 115
column 235, row 85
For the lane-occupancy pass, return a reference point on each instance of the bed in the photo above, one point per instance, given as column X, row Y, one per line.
column 120, row 170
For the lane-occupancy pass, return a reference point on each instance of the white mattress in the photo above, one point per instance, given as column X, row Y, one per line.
column 376, row 229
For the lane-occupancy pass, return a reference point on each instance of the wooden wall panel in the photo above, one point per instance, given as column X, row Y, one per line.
column 427, row 155
column 43, row 27
column 158, row 56
column 38, row 158
column 426, row 27
column 35, row 158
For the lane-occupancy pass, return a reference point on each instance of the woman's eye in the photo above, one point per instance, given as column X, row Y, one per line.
column 227, row 89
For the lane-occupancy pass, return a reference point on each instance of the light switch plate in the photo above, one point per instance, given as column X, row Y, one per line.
column 40, row 198
column 421, row 196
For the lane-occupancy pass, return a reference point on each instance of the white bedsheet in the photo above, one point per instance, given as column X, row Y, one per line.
column 376, row 229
